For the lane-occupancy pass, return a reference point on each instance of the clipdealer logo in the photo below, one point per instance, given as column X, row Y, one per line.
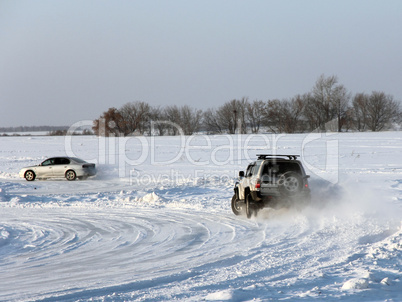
column 319, row 150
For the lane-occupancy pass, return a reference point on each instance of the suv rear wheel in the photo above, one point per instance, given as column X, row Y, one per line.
column 290, row 183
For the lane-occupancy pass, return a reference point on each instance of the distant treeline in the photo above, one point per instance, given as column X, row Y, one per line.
column 33, row 128
column 49, row 130
column 329, row 106
column 66, row 132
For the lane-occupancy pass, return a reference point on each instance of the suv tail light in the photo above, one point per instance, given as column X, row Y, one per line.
column 258, row 184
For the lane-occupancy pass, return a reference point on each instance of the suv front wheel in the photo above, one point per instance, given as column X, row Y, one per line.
column 249, row 205
column 238, row 206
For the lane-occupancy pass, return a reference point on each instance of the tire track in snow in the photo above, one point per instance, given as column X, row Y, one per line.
column 66, row 251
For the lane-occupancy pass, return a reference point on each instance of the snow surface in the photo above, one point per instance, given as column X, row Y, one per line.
column 155, row 224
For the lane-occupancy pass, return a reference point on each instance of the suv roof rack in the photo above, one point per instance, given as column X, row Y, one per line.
column 265, row 156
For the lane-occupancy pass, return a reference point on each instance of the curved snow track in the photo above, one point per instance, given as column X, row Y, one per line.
column 66, row 249
column 76, row 251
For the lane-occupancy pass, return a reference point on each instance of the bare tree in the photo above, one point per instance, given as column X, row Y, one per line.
column 227, row 116
column 340, row 105
column 157, row 117
column 232, row 116
column 272, row 113
column 255, row 115
column 295, row 122
column 323, row 97
column 329, row 101
column 136, row 117
column 360, row 115
column 312, row 112
column 382, row 109
column 241, row 109
column 285, row 116
column 172, row 114
column 188, row 119
column 211, row 121
column 374, row 112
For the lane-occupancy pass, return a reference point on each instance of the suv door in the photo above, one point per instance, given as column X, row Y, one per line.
column 245, row 181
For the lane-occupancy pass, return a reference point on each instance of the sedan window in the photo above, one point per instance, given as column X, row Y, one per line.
column 65, row 161
column 62, row 161
column 48, row 162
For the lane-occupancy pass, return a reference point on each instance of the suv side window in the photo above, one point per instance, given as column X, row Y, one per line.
column 252, row 169
column 256, row 167
column 249, row 170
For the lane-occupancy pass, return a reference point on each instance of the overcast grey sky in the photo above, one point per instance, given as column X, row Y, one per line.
column 66, row 61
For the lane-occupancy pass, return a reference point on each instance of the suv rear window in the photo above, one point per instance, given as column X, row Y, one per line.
column 280, row 167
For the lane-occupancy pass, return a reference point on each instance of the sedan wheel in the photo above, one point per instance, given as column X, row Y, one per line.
column 30, row 175
column 70, row 175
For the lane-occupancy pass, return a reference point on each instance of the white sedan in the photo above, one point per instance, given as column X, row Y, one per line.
column 68, row 167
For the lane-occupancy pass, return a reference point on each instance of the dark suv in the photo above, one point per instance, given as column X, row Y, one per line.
column 273, row 181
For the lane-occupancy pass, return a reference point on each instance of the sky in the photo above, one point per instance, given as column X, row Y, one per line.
column 62, row 62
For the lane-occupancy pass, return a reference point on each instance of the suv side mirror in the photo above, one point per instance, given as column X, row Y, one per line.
column 241, row 174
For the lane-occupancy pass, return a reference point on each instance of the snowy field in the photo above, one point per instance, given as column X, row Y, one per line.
column 155, row 224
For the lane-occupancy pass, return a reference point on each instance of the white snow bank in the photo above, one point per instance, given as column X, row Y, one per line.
column 151, row 197
column 219, row 296
column 3, row 234
column 386, row 281
column 355, row 283
column 2, row 195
